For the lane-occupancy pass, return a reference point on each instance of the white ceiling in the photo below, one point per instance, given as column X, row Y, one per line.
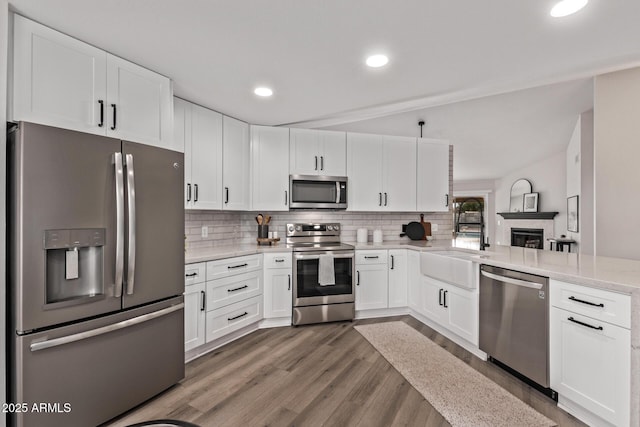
column 312, row 53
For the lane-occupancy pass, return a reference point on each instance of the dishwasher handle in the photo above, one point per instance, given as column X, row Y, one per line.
column 512, row 281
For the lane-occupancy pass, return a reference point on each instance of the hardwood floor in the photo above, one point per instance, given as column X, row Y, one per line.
column 313, row 375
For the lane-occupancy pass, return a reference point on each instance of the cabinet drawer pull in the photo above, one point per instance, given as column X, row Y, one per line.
column 280, row 260
column 191, row 275
column 114, row 116
column 444, row 300
column 440, row 296
column 238, row 289
column 572, row 298
column 237, row 317
column 371, row 257
column 101, row 102
column 202, row 305
column 237, row 266
column 598, row 328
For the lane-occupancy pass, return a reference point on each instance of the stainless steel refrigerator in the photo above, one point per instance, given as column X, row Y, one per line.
column 96, row 274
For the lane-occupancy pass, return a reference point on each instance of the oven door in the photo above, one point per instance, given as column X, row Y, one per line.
column 307, row 290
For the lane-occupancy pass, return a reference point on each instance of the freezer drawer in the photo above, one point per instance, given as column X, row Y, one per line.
column 93, row 371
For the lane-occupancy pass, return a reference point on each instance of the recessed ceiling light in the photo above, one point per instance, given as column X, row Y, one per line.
column 567, row 7
column 263, row 91
column 376, row 61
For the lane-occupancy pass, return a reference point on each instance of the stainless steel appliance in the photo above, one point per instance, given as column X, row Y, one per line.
column 323, row 274
column 96, row 274
column 514, row 323
column 318, row 192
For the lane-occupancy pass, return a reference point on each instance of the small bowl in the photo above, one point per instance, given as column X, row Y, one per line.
column 429, row 238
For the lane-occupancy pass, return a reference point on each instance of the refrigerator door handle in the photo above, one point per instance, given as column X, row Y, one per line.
column 131, row 200
column 41, row 345
column 117, row 161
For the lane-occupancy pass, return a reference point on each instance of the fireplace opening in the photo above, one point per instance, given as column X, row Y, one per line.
column 527, row 237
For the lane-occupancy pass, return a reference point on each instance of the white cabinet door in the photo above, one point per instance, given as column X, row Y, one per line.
column 371, row 287
column 433, row 176
column 333, row 152
column 432, row 303
column 269, row 168
column 194, row 316
column 206, row 159
column 398, row 278
column 140, row 104
column 591, row 366
column 413, row 280
column 364, row 161
column 57, row 80
column 182, row 138
column 462, row 313
column 235, row 166
column 277, row 293
column 304, row 155
column 399, row 173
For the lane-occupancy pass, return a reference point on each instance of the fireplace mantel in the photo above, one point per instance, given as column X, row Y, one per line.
column 528, row 215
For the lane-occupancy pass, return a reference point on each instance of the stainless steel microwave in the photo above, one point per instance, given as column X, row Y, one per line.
column 318, row 192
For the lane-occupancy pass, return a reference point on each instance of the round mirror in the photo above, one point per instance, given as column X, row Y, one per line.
column 518, row 190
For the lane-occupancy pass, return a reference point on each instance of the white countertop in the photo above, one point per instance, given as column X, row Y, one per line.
column 616, row 274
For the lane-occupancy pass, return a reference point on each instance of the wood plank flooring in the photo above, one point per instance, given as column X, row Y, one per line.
column 313, row 375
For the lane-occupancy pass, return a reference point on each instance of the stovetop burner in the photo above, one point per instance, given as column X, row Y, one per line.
column 315, row 237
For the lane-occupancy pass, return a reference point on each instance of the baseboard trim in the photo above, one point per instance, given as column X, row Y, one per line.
column 381, row 312
column 210, row 346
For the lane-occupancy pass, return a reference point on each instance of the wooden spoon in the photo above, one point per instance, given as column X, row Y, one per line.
column 260, row 219
column 267, row 219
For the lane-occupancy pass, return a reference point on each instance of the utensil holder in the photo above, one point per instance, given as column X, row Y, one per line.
column 263, row 231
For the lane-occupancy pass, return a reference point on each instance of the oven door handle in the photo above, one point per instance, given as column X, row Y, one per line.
column 337, row 191
column 512, row 281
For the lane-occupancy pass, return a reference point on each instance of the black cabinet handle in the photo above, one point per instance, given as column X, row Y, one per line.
column 392, row 259
column 226, row 195
column 440, row 296
column 446, row 203
column 572, row 298
column 286, row 198
column 316, row 168
column 238, row 289
column 357, row 278
column 202, row 306
column 191, row 275
column 371, row 257
column 321, row 163
column 289, row 276
column 597, row 328
column 237, row 266
column 101, row 102
column 445, row 299
column 385, row 199
column 195, row 193
column 379, row 199
column 114, row 116
column 280, row 260
column 237, row 317
column 188, row 192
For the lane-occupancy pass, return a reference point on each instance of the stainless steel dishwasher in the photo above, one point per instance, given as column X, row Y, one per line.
column 514, row 323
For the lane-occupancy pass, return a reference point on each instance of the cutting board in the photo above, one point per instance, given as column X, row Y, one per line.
column 426, row 226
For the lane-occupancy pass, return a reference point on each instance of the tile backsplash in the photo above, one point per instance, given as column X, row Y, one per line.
column 225, row 228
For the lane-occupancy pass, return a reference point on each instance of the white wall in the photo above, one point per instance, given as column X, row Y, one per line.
column 617, row 164
column 4, row 35
column 548, row 178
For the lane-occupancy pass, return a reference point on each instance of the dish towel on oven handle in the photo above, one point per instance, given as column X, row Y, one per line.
column 326, row 272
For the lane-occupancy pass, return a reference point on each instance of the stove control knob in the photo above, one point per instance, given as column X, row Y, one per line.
column 298, row 228
column 336, row 227
column 330, row 227
column 290, row 229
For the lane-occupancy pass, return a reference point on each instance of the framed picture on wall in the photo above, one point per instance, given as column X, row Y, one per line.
column 530, row 202
column 572, row 214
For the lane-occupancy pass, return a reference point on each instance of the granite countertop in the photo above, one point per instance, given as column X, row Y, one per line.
column 621, row 275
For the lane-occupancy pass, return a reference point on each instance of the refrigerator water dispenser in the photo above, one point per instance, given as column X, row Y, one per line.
column 74, row 264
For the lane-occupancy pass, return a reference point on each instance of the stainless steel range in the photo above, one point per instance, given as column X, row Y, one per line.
column 323, row 274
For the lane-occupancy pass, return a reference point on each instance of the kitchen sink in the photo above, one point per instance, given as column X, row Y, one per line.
column 451, row 266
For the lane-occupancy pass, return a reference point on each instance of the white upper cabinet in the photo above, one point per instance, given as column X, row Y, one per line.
column 63, row 82
column 201, row 131
column 269, row 168
column 381, row 172
column 317, row 152
column 235, row 164
column 139, row 104
column 433, row 175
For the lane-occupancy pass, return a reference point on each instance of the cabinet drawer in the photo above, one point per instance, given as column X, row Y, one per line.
column 282, row 260
column 233, row 317
column 371, row 257
column 231, row 266
column 232, row 289
column 194, row 273
column 598, row 304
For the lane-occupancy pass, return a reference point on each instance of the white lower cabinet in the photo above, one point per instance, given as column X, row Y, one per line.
column 372, row 289
column 278, row 284
column 590, row 358
column 450, row 306
column 398, row 277
column 232, row 317
column 194, row 316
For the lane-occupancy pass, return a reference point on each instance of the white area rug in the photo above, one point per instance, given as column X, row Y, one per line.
column 461, row 394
